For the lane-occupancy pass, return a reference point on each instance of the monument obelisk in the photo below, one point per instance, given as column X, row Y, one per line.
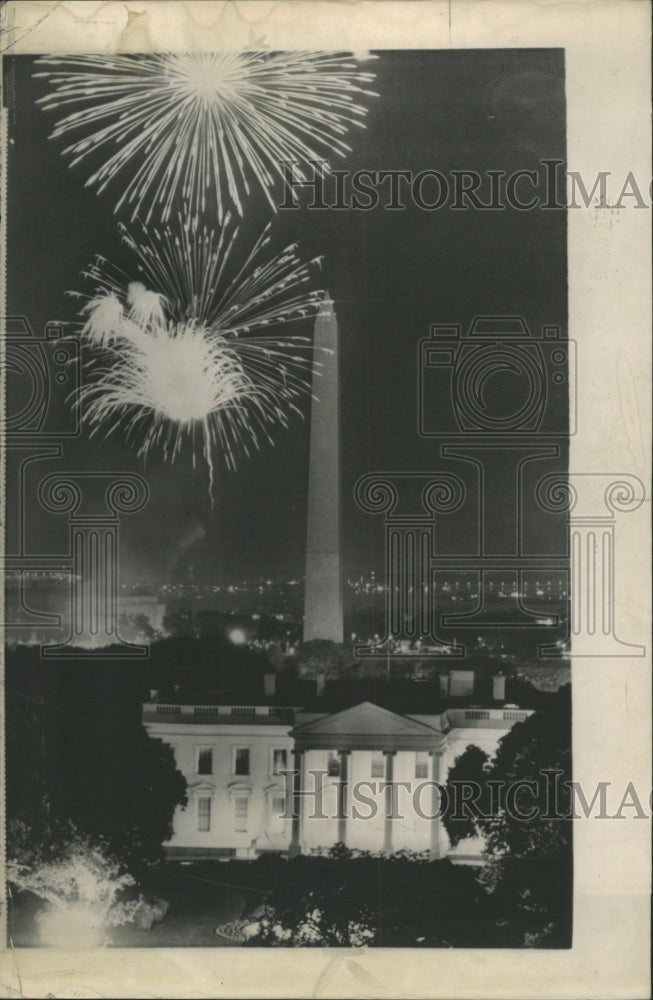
column 323, row 610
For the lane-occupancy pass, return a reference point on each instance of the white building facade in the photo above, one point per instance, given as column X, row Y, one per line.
column 273, row 779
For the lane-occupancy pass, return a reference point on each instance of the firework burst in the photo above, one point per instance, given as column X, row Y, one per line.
column 179, row 126
column 185, row 358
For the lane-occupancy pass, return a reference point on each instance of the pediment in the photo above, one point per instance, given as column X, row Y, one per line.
column 239, row 787
column 367, row 726
column 201, row 788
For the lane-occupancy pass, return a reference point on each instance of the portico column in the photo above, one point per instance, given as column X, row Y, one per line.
column 298, row 787
column 342, row 797
column 435, row 852
column 389, row 773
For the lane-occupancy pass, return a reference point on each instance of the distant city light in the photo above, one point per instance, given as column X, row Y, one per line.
column 237, row 636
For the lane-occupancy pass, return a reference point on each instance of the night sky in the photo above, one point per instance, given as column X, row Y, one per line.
column 391, row 274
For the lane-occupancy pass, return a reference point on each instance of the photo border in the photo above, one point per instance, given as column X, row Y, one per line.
column 607, row 48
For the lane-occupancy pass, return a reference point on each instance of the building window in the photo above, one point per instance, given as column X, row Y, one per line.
column 204, row 760
column 241, row 760
column 204, row 814
column 421, row 765
column 378, row 766
column 241, row 805
column 333, row 764
column 279, row 760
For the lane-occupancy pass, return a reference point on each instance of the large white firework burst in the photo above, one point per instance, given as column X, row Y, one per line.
column 180, row 125
column 182, row 353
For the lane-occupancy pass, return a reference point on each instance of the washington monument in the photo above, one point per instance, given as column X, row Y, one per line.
column 323, row 612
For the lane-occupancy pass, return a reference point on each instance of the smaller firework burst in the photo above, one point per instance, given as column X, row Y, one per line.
column 184, row 359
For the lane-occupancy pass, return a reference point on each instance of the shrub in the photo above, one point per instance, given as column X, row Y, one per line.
column 85, row 892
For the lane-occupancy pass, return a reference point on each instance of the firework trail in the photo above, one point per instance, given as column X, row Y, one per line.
column 183, row 126
column 184, row 358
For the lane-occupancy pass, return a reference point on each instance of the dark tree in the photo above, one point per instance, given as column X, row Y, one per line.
column 537, row 750
column 135, row 628
column 32, row 751
column 468, row 771
column 208, row 623
column 351, row 898
column 179, row 622
column 79, row 753
column 528, row 833
column 323, row 655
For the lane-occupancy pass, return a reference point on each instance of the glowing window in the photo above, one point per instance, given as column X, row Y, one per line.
column 241, row 805
column 204, row 814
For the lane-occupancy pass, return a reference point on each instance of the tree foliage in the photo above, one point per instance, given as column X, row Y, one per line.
column 532, row 759
column 349, row 898
column 469, row 768
column 528, row 832
column 83, row 888
column 323, row 656
column 77, row 751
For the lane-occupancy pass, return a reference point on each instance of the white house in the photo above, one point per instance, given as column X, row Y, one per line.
column 267, row 778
